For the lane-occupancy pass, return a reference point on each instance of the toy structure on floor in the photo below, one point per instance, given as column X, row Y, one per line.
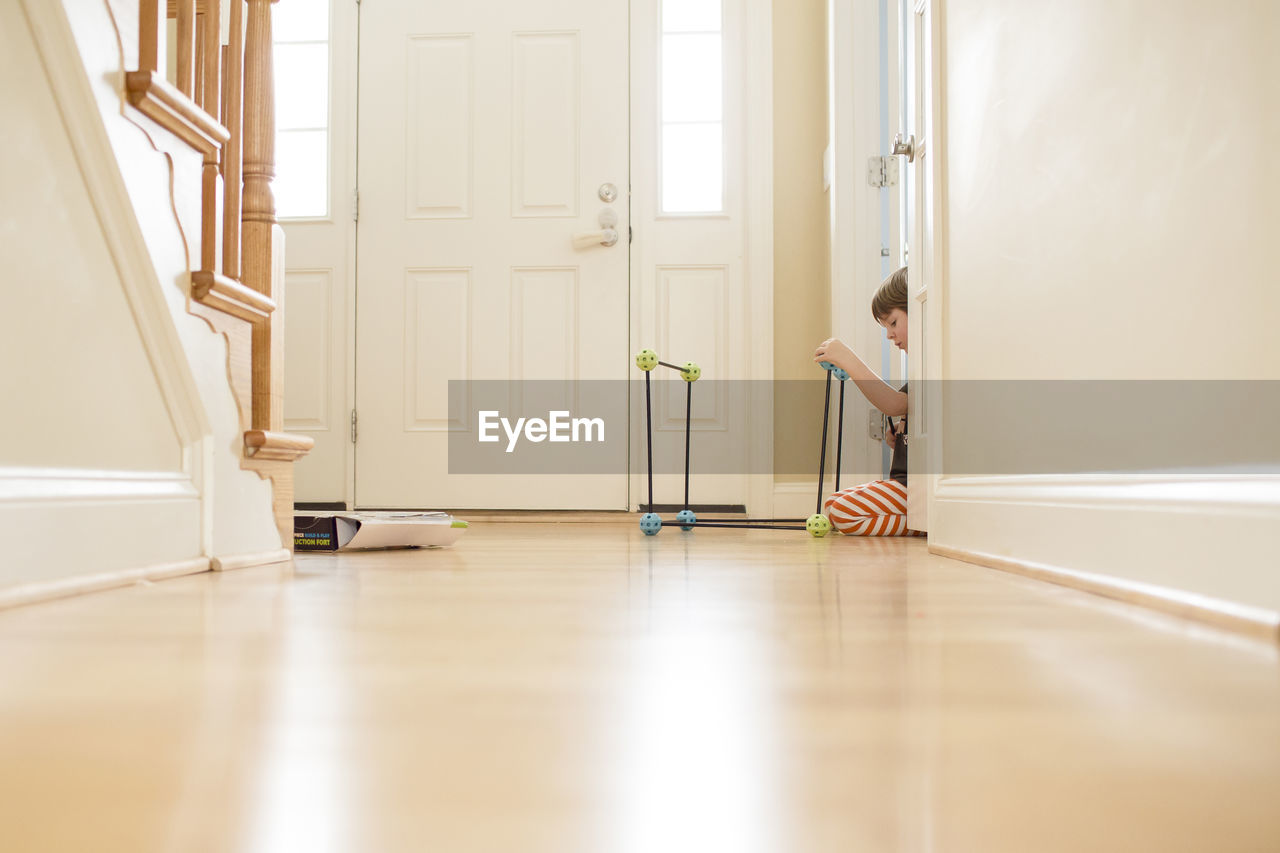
column 651, row 523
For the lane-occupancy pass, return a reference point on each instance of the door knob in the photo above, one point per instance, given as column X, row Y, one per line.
column 587, row 239
column 907, row 147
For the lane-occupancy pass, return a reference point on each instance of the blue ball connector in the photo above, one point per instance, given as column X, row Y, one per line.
column 650, row 523
column 687, row 519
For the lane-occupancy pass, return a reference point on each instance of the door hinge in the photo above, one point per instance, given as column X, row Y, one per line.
column 631, row 235
column 875, row 425
column 355, row 205
column 882, row 171
column 355, row 421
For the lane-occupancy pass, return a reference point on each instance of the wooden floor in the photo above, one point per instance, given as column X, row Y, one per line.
column 564, row 688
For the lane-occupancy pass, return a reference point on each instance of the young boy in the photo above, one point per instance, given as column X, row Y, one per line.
column 878, row 508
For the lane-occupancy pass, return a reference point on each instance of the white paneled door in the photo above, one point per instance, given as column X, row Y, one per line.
column 486, row 132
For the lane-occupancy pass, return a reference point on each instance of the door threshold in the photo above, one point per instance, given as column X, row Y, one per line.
column 517, row 515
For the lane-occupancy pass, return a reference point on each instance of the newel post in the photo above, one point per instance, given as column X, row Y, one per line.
column 262, row 247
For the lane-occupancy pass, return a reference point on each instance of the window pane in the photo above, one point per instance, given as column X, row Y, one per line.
column 684, row 16
column 692, row 168
column 691, row 78
column 302, row 86
column 302, row 173
column 300, row 20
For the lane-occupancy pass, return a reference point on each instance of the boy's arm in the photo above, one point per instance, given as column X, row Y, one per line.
column 884, row 397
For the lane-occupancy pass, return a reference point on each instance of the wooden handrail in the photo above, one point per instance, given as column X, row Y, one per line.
column 229, row 295
column 160, row 100
column 264, row 444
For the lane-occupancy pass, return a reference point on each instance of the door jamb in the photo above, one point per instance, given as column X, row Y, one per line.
column 854, row 136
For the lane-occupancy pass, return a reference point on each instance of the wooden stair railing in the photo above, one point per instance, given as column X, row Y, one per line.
column 222, row 104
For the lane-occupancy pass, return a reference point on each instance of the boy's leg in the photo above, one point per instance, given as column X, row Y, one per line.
column 871, row 509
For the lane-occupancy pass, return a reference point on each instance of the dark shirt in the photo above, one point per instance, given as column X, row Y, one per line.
column 898, row 465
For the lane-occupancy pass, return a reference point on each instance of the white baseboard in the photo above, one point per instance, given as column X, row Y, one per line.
column 1203, row 547
column 78, row 585
column 244, row 561
column 80, row 529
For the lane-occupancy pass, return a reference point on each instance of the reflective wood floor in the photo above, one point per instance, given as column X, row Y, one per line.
column 565, row 688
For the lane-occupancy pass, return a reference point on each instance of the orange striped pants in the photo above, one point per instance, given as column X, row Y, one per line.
column 871, row 509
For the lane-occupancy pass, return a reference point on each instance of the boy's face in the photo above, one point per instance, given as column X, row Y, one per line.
column 895, row 328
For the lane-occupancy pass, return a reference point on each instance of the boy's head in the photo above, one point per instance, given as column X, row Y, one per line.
column 889, row 307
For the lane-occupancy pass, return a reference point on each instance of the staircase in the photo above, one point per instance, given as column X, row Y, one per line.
column 143, row 295
column 222, row 104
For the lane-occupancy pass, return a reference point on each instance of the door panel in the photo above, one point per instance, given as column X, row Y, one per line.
column 485, row 133
column 692, row 294
column 319, row 271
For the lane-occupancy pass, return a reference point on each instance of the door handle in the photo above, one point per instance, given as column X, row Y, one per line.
column 587, row 239
column 907, row 146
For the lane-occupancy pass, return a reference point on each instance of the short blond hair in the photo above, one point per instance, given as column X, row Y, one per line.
column 891, row 294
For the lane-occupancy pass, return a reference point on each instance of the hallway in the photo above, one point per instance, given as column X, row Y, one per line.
column 579, row 687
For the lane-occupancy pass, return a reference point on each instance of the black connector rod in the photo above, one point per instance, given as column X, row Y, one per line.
column 730, row 526
column 750, row 520
column 672, row 366
column 840, row 437
column 822, row 457
column 688, row 419
column 648, row 429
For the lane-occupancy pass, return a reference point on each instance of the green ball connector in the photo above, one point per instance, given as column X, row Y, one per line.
column 690, row 372
column 646, row 360
column 817, row 525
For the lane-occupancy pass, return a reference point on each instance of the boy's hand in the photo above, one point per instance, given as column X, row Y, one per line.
column 834, row 351
column 891, row 434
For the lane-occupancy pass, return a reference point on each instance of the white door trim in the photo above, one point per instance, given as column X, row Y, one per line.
column 346, row 73
column 759, row 243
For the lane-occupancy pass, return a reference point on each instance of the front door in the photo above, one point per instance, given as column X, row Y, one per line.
column 486, row 134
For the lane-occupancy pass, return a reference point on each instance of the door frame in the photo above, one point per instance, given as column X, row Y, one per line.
column 349, row 73
column 854, row 136
column 926, row 356
column 756, row 44
column 856, row 214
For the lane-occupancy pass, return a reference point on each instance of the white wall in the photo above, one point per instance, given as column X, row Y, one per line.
column 122, row 436
column 95, row 444
column 240, row 521
column 1111, row 182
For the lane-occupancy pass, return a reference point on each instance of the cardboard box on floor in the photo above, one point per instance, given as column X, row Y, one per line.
column 356, row 531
